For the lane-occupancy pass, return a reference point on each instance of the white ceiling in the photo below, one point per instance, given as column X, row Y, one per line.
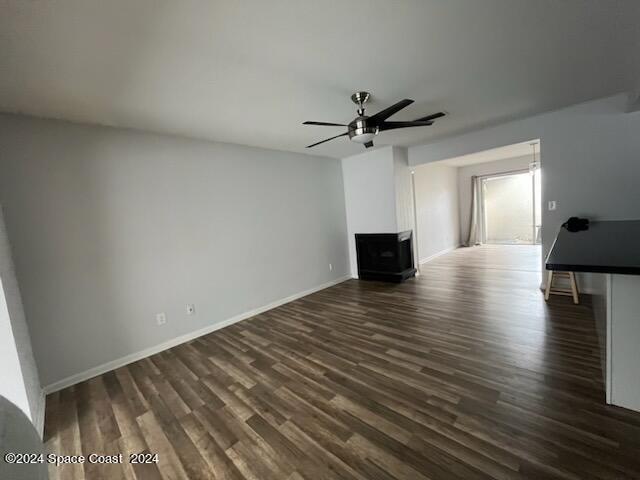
column 252, row 71
column 499, row 153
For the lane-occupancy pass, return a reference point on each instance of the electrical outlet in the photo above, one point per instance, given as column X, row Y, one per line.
column 191, row 309
column 161, row 318
column 552, row 205
column 330, row 267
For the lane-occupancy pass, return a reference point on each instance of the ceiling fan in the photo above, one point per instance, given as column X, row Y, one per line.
column 363, row 128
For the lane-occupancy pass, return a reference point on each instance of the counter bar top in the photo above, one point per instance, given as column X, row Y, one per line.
column 606, row 247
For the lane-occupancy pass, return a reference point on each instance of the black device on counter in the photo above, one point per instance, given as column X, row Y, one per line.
column 576, row 224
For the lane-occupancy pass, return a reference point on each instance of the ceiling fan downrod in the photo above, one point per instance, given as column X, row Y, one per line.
column 360, row 98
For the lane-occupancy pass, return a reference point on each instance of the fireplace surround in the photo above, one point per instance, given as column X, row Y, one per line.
column 386, row 257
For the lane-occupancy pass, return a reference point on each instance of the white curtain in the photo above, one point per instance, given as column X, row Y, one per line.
column 475, row 225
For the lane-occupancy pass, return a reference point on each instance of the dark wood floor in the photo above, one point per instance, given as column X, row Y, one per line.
column 463, row 373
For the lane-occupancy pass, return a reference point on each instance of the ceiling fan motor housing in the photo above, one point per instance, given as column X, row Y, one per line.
column 360, row 131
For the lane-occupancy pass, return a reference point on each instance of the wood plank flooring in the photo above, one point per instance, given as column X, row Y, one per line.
column 462, row 373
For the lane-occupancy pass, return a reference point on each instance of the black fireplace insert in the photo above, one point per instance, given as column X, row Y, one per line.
column 385, row 256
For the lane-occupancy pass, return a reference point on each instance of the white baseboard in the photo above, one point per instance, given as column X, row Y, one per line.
column 436, row 255
column 134, row 357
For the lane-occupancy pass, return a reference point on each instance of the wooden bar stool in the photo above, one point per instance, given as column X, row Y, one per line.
column 571, row 292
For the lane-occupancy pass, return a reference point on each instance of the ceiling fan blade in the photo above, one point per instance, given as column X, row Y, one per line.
column 326, row 140
column 387, row 112
column 368, row 144
column 433, row 116
column 325, row 124
column 393, row 125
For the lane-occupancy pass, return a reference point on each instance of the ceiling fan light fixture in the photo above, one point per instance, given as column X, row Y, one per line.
column 363, row 137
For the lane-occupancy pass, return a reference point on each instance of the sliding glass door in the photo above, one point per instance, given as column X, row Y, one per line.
column 510, row 214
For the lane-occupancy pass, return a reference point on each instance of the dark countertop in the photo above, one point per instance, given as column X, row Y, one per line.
column 606, row 247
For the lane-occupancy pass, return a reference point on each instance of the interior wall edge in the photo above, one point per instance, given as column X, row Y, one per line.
column 24, row 381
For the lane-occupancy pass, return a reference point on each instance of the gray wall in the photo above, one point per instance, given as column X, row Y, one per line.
column 437, row 209
column 590, row 159
column 111, row 226
column 19, row 381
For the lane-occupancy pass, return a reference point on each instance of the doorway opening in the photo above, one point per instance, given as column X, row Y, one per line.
column 491, row 199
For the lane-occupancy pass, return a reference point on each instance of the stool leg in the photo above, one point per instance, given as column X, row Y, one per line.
column 574, row 288
column 547, row 290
